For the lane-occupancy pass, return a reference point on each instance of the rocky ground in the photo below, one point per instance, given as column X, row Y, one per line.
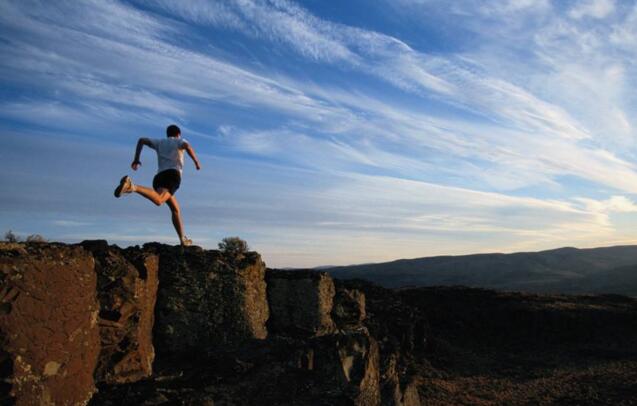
column 166, row 325
column 498, row 348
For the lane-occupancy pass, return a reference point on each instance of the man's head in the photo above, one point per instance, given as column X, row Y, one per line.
column 173, row 131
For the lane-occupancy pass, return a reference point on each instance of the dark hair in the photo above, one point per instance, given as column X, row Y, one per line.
column 172, row 131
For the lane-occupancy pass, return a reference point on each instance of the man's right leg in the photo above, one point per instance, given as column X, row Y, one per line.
column 158, row 197
column 177, row 222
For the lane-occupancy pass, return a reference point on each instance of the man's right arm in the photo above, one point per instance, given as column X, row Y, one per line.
column 191, row 153
column 138, row 151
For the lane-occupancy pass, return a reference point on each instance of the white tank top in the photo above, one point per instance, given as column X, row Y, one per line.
column 170, row 153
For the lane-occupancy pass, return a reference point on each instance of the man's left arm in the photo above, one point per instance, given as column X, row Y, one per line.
column 138, row 151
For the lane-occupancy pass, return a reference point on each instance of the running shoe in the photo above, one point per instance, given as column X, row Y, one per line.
column 125, row 186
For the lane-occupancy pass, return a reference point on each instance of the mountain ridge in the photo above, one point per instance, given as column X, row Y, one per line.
column 559, row 270
column 564, row 248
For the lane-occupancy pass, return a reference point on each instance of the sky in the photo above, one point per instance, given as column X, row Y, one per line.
column 329, row 132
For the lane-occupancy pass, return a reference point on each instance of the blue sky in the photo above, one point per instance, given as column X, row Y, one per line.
column 329, row 132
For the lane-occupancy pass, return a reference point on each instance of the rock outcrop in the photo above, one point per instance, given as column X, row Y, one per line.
column 225, row 331
column 206, row 299
column 48, row 324
column 300, row 302
column 332, row 345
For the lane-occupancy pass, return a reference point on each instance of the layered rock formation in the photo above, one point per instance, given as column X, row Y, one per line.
column 127, row 283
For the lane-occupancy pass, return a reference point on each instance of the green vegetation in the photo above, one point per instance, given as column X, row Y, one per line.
column 234, row 247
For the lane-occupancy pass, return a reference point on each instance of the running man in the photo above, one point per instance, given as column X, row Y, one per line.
column 170, row 162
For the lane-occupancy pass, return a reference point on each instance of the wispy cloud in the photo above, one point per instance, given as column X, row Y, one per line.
column 282, row 21
column 491, row 97
column 71, row 223
column 390, row 59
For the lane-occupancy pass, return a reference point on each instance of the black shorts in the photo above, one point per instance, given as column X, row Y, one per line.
column 169, row 179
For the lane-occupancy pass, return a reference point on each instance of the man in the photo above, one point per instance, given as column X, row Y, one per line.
column 170, row 160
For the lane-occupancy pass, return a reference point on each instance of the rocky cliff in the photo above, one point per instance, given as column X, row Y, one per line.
column 161, row 324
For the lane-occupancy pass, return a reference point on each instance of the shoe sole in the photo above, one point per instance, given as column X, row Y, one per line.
column 118, row 189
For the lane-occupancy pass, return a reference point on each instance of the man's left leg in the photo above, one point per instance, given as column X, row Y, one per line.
column 158, row 196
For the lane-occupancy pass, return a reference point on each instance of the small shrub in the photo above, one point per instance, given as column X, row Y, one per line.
column 9, row 236
column 36, row 238
column 233, row 247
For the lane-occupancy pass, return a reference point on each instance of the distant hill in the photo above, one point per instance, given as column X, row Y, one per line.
column 563, row 270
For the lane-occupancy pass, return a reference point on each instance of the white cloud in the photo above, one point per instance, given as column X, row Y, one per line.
column 477, row 7
column 624, row 34
column 592, row 8
column 615, row 204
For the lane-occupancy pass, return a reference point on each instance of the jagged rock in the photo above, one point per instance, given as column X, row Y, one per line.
column 126, row 289
column 49, row 323
column 410, row 395
column 300, row 302
column 206, row 300
column 400, row 330
column 349, row 307
column 340, row 366
column 397, row 388
column 360, row 363
column 333, row 369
